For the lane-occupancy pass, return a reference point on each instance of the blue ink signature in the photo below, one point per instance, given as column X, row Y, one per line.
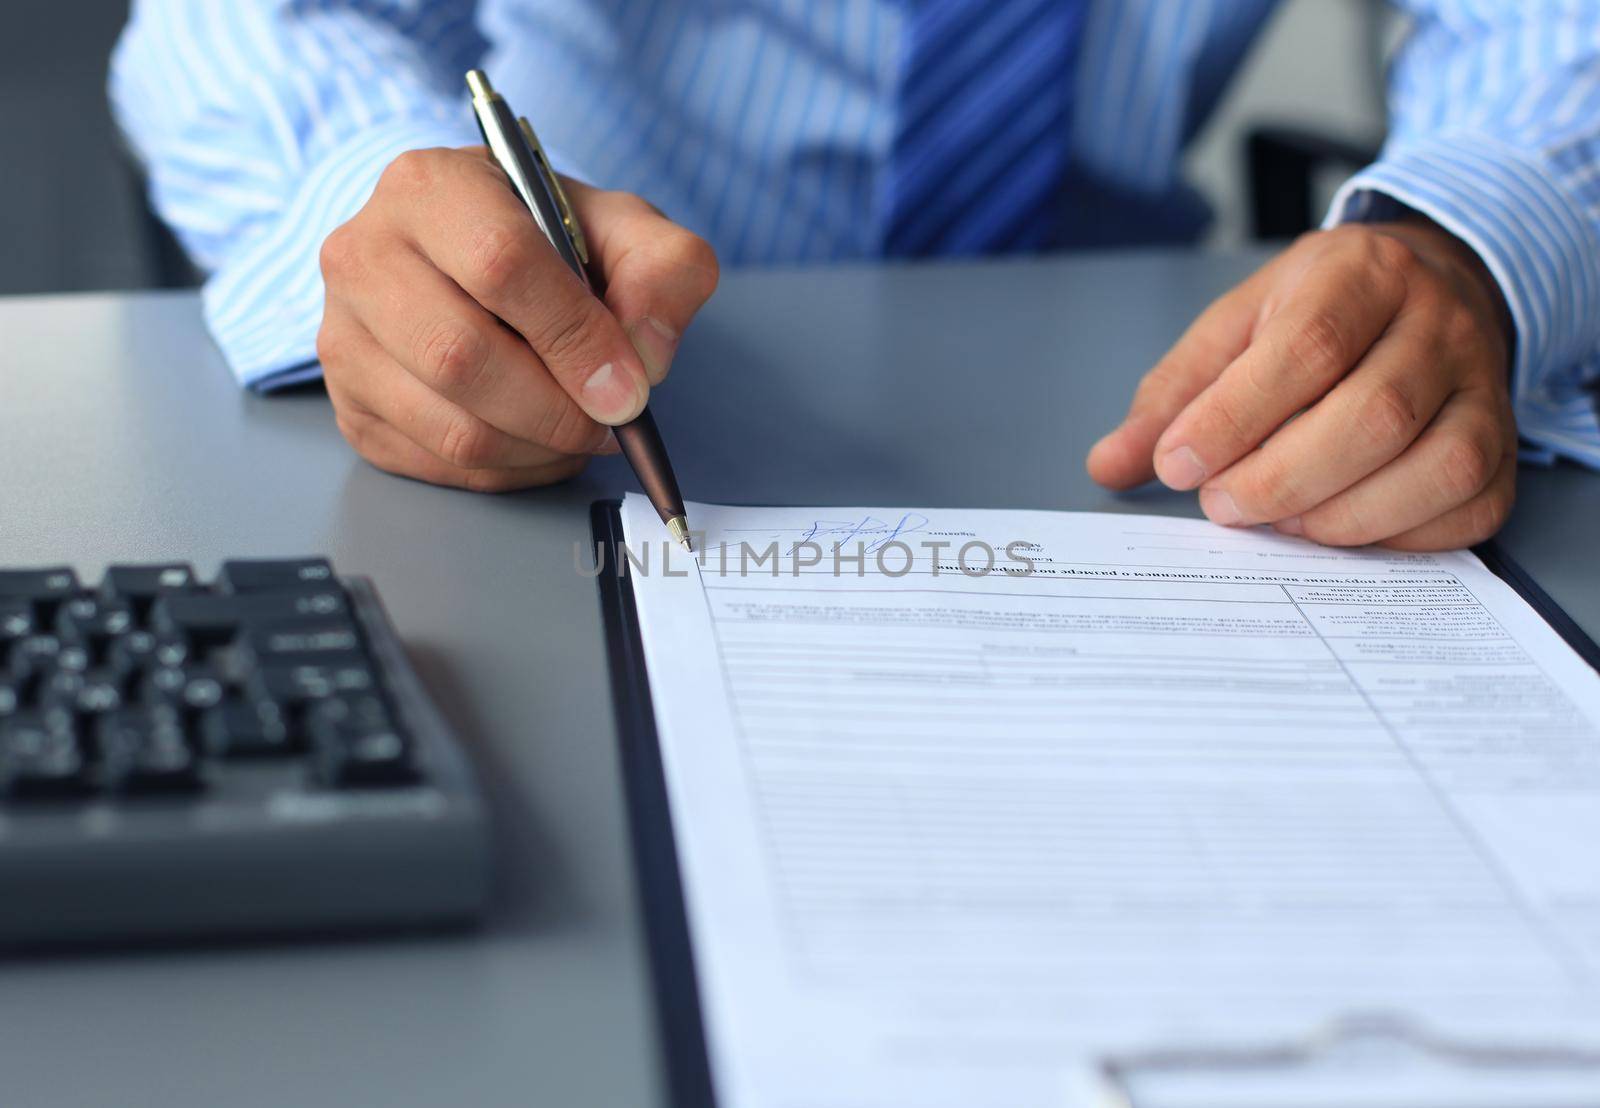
column 871, row 532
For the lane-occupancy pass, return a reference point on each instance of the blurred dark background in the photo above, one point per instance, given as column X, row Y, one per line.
column 72, row 215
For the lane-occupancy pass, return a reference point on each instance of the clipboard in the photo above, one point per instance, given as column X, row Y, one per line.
column 659, row 877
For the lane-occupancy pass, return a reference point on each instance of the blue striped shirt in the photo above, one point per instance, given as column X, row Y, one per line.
column 763, row 125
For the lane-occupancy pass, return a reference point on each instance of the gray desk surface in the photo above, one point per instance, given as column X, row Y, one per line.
column 122, row 437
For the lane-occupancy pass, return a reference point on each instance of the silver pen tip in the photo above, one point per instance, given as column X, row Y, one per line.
column 678, row 527
column 478, row 83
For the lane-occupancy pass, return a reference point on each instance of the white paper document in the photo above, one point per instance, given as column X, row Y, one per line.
column 968, row 800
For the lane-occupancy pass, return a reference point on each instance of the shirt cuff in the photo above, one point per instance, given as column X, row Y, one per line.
column 1509, row 206
column 264, row 303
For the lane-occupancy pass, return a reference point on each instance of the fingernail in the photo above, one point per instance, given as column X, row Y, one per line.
column 610, row 446
column 656, row 343
column 1290, row 526
column 1219, row 507
column 1180, row 468
column 611, row 395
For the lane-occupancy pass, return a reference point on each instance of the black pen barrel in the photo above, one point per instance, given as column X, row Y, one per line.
column 642, row 446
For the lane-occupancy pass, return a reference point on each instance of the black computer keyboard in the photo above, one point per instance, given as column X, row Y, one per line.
column 252, row 755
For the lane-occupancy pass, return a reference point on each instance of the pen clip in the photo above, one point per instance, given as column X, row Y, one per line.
column 568, row 218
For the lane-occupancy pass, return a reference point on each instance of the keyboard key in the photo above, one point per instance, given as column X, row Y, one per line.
column 72, row 656
column 33, row 659
column 40, row 754
column 206, row 621
column 99, row 694
column 17, row 620
column 42, row 588
column 294, row 686
column 191, row 688
column 10, row 698
column 59, row 689
column 245, row 729
column 133, row 655
column 242, row 576
column 92, row 622
column 141, row 585
column 298, row 642
column 354, row 742
column 144, row 750
column 82, row 694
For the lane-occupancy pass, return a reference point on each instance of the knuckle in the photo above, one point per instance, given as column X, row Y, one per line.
column 410, row 172
column 453, row 355
column 330, row 348
column 359, row 429
column 1338, row 523
column 1467, row 463
column 565, row 427
column 355, row 428
column 1263, row 491
column 1387, row 416
column 337, row 257
column 1486, row 515
column 623, row 201
column 1157, row 388
column 1318, row 348
column 1390, row 256
column 696, row 257
column 467, row 442
column 1459, row 329
column 1317, row 238
column 499, row 258
column 565, row 337
column 1391, row 271
column 1230, row 418
column 1151, row 388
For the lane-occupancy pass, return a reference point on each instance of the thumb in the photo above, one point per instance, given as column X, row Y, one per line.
column 657, row 274
column 1125, row 457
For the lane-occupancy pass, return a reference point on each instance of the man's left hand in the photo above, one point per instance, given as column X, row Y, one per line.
column 1354, row 390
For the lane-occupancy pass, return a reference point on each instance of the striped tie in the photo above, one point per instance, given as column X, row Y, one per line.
column 984, row 113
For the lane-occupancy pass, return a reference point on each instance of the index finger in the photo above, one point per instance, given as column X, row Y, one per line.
column 1331, row 317
column 1124, row 457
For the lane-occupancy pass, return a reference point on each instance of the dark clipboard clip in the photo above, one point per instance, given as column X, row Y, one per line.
column 1117, row 1075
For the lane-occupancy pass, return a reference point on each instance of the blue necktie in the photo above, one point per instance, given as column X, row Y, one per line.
column 980, row 146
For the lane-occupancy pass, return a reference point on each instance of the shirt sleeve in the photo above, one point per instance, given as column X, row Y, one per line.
column 264, row 124
column 1495, row 136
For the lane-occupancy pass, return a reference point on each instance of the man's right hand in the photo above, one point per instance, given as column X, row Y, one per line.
column 458, row 348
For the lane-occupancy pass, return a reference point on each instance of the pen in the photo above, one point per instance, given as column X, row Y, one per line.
column 517, row 150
